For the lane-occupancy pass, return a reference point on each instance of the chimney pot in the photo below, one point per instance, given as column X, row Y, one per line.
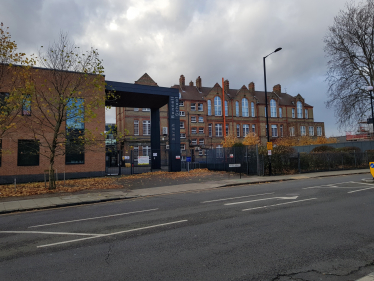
column 191, row 83
column 277, row 89
column 198, row 83
column 182, row 81
column 251, row 87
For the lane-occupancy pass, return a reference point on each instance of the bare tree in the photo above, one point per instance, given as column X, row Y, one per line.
column 349, row 46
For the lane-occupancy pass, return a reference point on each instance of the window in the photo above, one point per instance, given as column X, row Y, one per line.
column 201, row 130
column 193, row 106
column 136, row 151
column 319, row 131
column 210, row 133
column 227, row 129
column 201, row 141
column 273, row 108
column 219, row 151
column 293, row 112
column 253, row 109
column 136, row 109
column 75, row 114
column 238, row 130
column 237, row 109
column 306, row 114
column 209, row 107
column 181, row 113
column 183, row 136
column 146, row 109
column 280, row 112
column 217, row 106
column 26, row 106
column 146, row 128
column 299, row 109
column 218, row 130
column 292, row 131
column 281, row 130
column 193, row 130
column 302, row 131
column 201, row 153
column 245, row 130
column 200, row 107
column 311, row 131
column 194, row 141
column 146, row 151
column 136, row 127
column 181, row 125
column 201, row 119
column 274, row 130
column 253, row 128
column 181, row 103
column 74, row 147
column 245, row 112
column 226, row 108
column 28, row 153
column 193, row 119
column 183, row 147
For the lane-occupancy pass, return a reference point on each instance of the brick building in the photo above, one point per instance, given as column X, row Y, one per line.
column 201, row 117
column 24, row 148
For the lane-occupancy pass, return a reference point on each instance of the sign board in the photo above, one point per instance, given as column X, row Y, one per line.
column 371, row 164
column 269, row 145
column 234, row 165
column 125, row 158
column 231, row 155
column 188, row 159
column 155, row 154
column 177, row 157
column 143, row 160
column 269, row 152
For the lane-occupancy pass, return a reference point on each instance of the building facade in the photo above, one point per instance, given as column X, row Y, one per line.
column 202, row 111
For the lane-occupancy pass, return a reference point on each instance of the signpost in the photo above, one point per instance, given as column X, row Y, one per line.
column 236, row 166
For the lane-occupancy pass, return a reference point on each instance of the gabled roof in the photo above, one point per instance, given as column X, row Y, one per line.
column 146, row 80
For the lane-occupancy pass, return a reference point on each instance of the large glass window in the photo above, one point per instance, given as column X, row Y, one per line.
column 218, row 128
column 227, row 129
column 238, row 130
column 311, row 131
column 273, row 108
column 280, row 112
column 245, row 129
column 293, row 112
column 245, row 112
column 26, row 106
column 28, row 153
column 74, row 148
column 226, row 108
column 281, row 130
column 209, row 107
column 237, row 108
column 292, row 131
column 217, row 106
column 210, row 130
column 146, row 151
column 319, row 131
column 136, row 127
column 274, row 130
column 75, row 114
column 302, row 130
column 299, row 109
column 147, row 128
column 306, row 114
column 253, row 128
column 253, row 109
column 200, row 107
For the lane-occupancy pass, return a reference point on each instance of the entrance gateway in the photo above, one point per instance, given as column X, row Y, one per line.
column 144, row 96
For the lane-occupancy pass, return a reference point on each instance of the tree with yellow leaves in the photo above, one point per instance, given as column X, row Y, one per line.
column 323, row 140
column 229, row 140
column 251, row 139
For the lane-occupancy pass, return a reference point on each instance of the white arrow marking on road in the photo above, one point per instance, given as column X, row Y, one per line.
column 279, row 204
column 231, row 198
column 281, row 198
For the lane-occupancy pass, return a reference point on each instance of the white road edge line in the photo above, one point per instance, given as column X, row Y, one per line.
column 360, row 190
column 243, row 202
column 55, row 233
column 94, row 218
column 109, row 234
column 224, row 199
column 279, row 204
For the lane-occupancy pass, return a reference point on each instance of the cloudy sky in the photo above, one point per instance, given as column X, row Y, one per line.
column 207, row 38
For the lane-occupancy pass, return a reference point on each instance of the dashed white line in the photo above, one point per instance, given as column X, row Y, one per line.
column 94, row 218
column 360, row 190
column 231, row 198
column 279, row 204
column 243, row 202
column 55, row 233
column 109, row 234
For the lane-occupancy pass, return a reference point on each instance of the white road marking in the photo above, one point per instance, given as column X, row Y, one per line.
column 94, row 218
column 360, row 190
column 243, row 202
column 224, row 199
column 279, row 204
column 56, row 233
column 334, row 185
column 109, row 234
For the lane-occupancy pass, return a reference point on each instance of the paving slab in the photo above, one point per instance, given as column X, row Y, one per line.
column 369, row 277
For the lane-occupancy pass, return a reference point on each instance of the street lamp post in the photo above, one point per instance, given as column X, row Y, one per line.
column 370, row 89
column 266, row 106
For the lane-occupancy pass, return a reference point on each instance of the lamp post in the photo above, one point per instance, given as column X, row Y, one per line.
column 266, row 106
column 370, row 89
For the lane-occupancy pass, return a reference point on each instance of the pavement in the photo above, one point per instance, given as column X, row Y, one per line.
column 10, row 205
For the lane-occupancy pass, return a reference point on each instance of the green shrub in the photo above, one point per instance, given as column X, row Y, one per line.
column 323, row 148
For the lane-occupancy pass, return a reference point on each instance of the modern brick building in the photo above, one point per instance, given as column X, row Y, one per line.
column 201, row 117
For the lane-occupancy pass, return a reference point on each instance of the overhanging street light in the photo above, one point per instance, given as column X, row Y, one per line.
column 266, row 106
column 370, row 89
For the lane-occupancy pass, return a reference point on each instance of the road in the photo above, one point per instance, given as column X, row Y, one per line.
column 312, row 229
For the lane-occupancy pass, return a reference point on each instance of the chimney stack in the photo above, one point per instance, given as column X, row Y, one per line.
column 182, row 82
column 277, row 89
column 226, row 85
column 251, row 87
column 198, row 82
column 191, row 83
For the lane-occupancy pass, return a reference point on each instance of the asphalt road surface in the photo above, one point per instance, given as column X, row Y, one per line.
column 312, row 229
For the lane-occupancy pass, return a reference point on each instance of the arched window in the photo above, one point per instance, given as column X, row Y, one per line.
column 299, row 109
column 209, row 107
column 245, row 112
column 226, row 108
column 217, row 106
column 237, row 108
column 273, row 108
column 253, row 109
